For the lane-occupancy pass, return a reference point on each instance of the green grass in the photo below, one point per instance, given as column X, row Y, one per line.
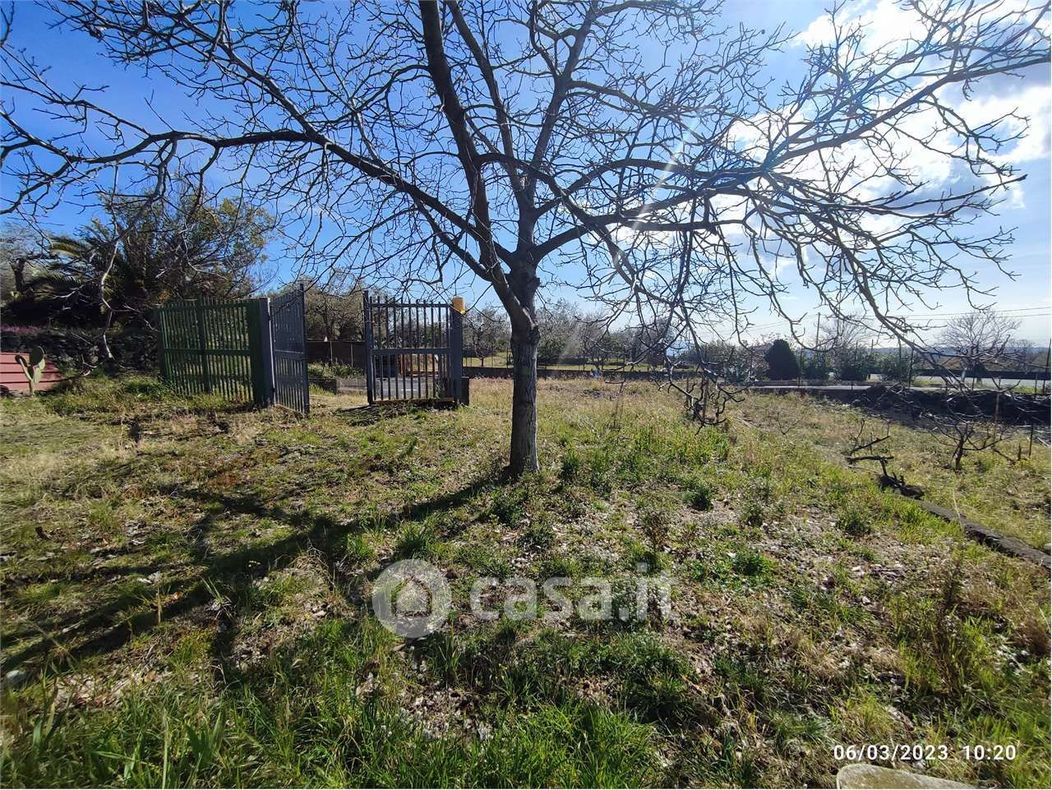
column 196, row 611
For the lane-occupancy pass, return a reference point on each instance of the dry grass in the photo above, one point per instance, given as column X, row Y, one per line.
column 196, row 611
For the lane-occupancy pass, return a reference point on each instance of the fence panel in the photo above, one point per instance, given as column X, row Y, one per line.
column 288, row 333
column 207, row 346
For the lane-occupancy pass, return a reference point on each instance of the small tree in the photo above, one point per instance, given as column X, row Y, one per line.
column 813, row 365
column 966, row 431
column 562, row 332
column 979, row 340
column 333, row 314
column 781, row 362
column 486, row 332
column 845, row 343
column 23, row 255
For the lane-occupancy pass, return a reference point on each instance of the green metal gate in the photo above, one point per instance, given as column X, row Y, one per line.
column 226, row 348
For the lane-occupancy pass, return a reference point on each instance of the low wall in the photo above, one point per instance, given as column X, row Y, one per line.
column 337, row 352
column 1012, row 407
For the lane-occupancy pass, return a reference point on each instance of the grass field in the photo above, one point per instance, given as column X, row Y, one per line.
column 186, row 595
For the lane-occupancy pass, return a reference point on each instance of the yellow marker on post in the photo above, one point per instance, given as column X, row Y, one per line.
column 458, row 304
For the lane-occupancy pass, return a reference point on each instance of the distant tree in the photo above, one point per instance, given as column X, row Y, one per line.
column 845, row 345
column 814, row 365
column 897, row 366
column 980, row 340
column 653, row 342
column 735, row 362
column 23, row 255
column 561, row 330
column 334, row 314
column 616, row 346
column 486, row 331
column 781, row 362
column 146, row 251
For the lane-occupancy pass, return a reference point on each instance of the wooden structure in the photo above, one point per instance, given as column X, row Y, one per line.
column 12, row 379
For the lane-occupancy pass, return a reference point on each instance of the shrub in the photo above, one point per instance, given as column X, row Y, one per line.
column 655, row 522
column 509, row 506
column 571, row 465
column 781, row 362
column 854, row 522
column 699, row 495
column 753, row 513
column 751, row 563
column 539, row 534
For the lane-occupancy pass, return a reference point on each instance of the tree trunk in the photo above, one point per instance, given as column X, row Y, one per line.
column 524, row 404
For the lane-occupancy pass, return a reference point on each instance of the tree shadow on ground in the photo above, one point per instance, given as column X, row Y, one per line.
column 371, row 414
column 112, row 625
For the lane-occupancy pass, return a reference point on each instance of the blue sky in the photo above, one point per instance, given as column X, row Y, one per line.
column 73, row 57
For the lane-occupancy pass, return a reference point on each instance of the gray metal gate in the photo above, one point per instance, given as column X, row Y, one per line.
column 414, row 351
column 289, row 341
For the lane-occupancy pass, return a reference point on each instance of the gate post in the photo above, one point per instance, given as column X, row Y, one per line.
column 456, row 350
column 367, row 331
column 306, row 372
column 261, row 343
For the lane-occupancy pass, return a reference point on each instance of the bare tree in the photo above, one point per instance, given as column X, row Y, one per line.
column 979, row 340
column 486, row 331
column 846, row 343
column 868, row 448
column 966, row 431
column 22, row 255
column 512, row 140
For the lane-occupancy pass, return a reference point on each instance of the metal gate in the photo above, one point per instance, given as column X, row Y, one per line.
column 289, row 341
column 250, row 350
column 414, row 351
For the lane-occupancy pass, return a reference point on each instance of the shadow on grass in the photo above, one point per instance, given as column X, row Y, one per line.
column 113, row 624
column 374, row 413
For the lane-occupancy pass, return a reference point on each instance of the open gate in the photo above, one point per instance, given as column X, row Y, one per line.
column 250, row 350
column 289, row 341
column 414, row 351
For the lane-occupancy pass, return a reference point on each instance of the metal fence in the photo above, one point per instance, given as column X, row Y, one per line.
column 212, row 347
column 288, row 340
column 245, row 351
column 414, row 351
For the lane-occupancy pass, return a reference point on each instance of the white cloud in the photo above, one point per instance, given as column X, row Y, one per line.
column 888, row 22
column 1033, row 105
column 887, row 25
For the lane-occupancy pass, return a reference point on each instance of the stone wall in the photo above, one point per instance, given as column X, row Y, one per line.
column 71, row 350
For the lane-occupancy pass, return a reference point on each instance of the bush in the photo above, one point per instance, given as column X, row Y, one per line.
column 753, row 513
column 751, row 563
column 699, row 495
column 781, row 362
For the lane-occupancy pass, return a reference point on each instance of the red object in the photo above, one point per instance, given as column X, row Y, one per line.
column 12, row 379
